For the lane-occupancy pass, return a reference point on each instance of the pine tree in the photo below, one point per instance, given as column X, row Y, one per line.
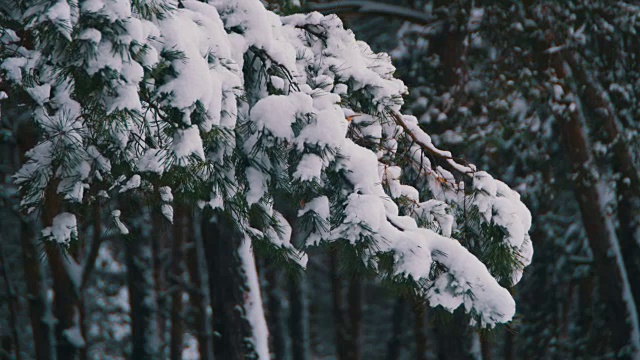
column 262, row 121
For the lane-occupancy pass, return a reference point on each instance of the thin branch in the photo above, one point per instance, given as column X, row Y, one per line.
column 377, row 9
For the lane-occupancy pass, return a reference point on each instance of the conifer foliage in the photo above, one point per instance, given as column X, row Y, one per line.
column 267, row 122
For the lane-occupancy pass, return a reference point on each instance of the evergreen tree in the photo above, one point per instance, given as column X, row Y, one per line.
column 267, row 123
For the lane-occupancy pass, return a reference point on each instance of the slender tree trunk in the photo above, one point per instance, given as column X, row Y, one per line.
column 197, row 267
column 66, row 300
column 485, row 346
column 354, row 295
column 299, row 318
column 142, row 295
column 229, row 288
column 585, row 321
column 341, row 332
column 628, row 183
column 509, row 339
column 40, row 311
column 275, row 315
column 347, row 317
column 65, row 306
column 299, row 301
column 159, row 246
column 90, row 257
column 614, row 285
column 452, row 337
column 181, row 224
column 397, row 320
column 12, row 305
column 419, row 335
column 42, row 321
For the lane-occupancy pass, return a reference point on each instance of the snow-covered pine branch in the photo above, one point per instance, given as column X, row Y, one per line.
column 231, row 105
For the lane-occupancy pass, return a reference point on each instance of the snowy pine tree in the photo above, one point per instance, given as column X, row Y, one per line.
column 264, row 122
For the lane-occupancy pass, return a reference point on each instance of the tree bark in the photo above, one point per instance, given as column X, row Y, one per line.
column 276, row 317
column 419, row 336
column 181, row 224
column 197, row 267
column 66, row 300
column 12, row 304
column 65, row 303
column 160, row 245
column 614, row 285
column 229, row 289
column 354, row 296
column 341, row 331
column 142, row 296
column 299, row 301
column 485, row 346
column 452, row 337
column 299, row 318
column 39, row 308
column 628, row 183
column 397, row 320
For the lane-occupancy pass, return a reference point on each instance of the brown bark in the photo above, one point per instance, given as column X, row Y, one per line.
column 599, row 228
column 628, row 183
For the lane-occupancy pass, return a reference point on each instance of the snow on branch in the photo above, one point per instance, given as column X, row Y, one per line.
column 231, row 106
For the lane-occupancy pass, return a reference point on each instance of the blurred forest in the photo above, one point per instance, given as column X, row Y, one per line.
column 486, row 81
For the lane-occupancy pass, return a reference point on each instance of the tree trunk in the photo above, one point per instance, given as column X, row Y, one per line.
column 299, row 318
column 452, row 337
column 299, row 301
column 275, row 315
column 354, row 295
column 229, row 289
column 12, row 305
column 485, row 346
column 65, row 304
column 614, row 285
column 66, row 309
column 341, row 332
column 142, row 296
column 160, row 246
column 397, row 319
column 508, row 343
column 419, row 336
column 181, row 224
column 197, row 267
column 628, row 183
column 42, row 321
